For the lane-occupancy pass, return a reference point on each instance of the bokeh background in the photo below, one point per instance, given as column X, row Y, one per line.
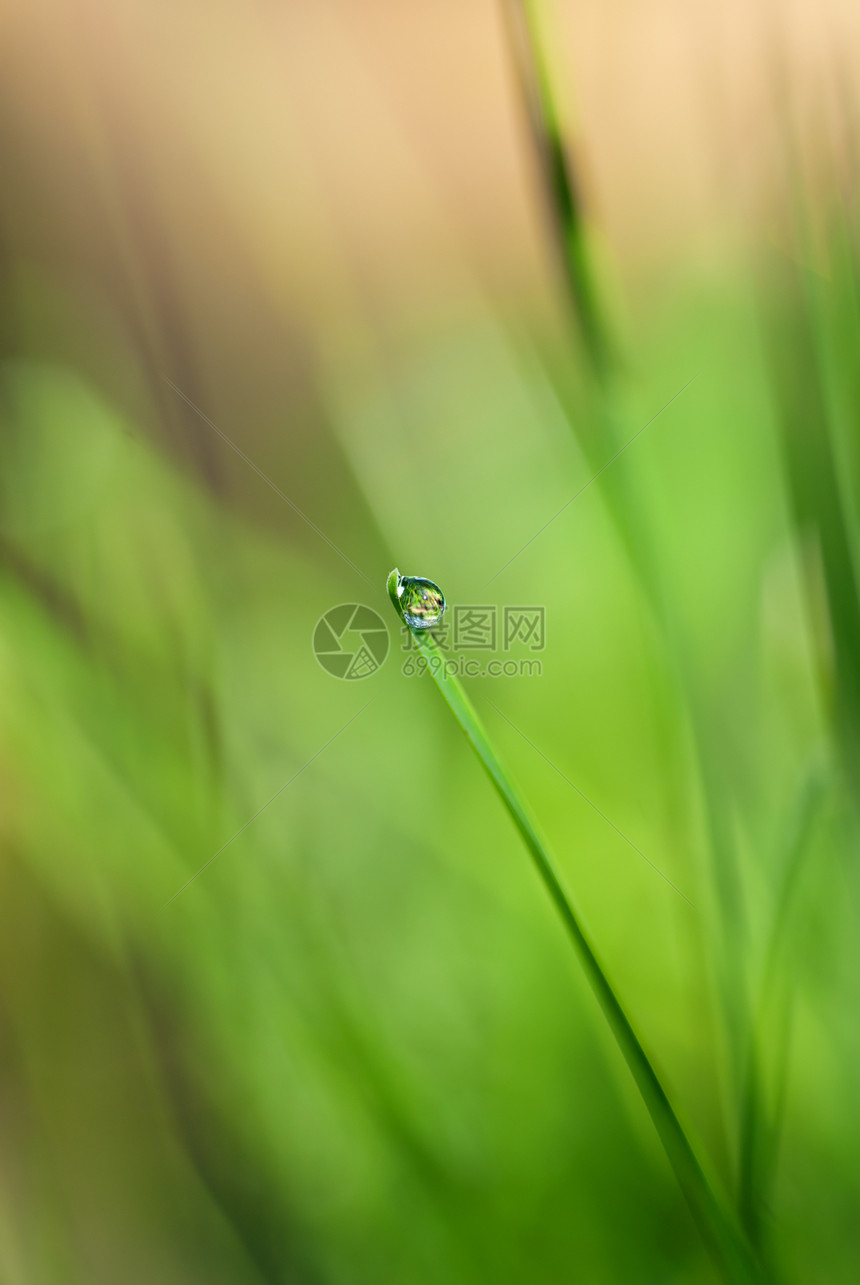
column 251, row 251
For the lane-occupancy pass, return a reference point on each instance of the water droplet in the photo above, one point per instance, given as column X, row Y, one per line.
column 421, row 601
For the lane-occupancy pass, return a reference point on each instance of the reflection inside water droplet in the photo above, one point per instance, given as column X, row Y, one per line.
column 421, row 601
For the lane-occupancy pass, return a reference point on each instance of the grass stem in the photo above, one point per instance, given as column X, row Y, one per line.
column 714, row 1217
column 563, row 190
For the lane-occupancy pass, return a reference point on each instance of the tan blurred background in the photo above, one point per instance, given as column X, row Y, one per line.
column 354, row 158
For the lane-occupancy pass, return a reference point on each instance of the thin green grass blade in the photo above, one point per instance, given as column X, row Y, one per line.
column 633, row 522
column 768, row 1054
column 564, row 197
column 807, row 432
column 717, row 1222
column 526, row 23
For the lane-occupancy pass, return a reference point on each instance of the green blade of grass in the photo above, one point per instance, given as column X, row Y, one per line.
column 529, row 40
column 602, row 428
column 714, row 1217
column 761, row 1112
column 564, row 198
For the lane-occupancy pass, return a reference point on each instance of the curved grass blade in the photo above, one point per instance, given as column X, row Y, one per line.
column 761, row 1116
column 527, row 27
column 714, row 1217
column 564, row 198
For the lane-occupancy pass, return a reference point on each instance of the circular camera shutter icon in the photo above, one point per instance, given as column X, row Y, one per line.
column 351, row 641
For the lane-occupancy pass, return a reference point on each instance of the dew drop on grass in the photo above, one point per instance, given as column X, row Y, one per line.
column 421, row 601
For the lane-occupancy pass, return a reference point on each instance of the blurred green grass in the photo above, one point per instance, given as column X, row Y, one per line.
column 354, row 1049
